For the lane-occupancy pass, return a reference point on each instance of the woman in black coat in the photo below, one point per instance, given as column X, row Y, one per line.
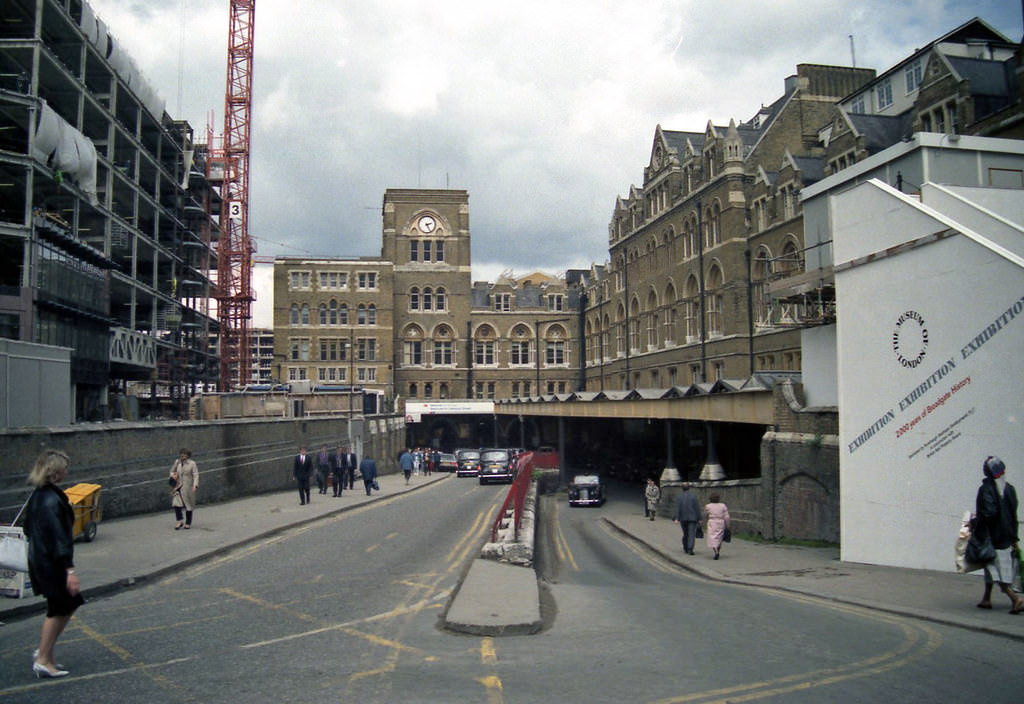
column 49, row 526
column 996, row 517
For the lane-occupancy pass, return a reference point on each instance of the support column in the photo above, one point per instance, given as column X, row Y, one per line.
column 670, row 481
column 712, row 470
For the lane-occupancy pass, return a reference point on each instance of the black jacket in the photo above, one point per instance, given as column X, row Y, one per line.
column 49, row 526
column 996, row 518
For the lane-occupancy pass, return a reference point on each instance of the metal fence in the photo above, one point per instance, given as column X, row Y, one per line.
column 516, row 495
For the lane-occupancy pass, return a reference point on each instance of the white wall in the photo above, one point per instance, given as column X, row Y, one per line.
column 818, row 366
column 929, row 338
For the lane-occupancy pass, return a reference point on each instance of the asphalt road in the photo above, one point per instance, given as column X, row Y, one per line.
column 347, row 609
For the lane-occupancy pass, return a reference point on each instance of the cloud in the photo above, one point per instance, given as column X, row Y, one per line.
column 543, row 111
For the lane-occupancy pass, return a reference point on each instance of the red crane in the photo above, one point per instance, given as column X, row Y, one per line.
column 234, row 251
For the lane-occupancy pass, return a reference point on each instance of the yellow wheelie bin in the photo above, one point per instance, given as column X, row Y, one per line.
column 85, row 501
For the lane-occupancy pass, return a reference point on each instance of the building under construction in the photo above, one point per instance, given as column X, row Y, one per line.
column 109, row 217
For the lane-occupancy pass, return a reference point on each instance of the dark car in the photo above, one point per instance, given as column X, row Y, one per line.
column 586, row 490
column 468, row 462
column 495, row 466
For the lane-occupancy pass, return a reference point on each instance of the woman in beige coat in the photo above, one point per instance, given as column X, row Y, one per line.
column 185, row 474
column 716, row 514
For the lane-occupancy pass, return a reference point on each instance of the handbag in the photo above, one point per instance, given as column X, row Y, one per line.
column 700, row 531
column 172, row 482
column 14, row 546
column 979, row 550
column 727, row 536
column 375, row 485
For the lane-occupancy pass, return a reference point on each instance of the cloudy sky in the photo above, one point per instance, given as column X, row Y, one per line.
column 543, row 111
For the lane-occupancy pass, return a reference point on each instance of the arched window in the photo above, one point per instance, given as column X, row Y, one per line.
column 323, row 313
column 440, row 300
column 691, row 308
column 361, row 315
column 371, row 315
column 343, row 314
column 305, row 314
column 428, row 299
column 652, row 321
column 293, row 314
column 760, row 271
column 414, row 298
column 713, row 296
column 413, row 390
column 332, row 312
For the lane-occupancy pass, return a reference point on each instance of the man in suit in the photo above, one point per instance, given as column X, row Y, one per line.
column 301, row 471
column 350, row 468
column 687, row 516
column 368, row 468
column 323, row 468
column 338, row 470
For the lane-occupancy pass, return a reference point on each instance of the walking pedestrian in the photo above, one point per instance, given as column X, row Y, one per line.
column 996, row 518
column 368, row 468
column 49, row 527
column 405, row 461
column 185, row 474
column 652, row 495
column 350, row 468
column 301, row 470
column 687, row 516
column 717, row 516
column 338, row 471
column 323, row 469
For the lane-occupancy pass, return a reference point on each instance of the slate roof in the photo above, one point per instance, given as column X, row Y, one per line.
column 882, row 131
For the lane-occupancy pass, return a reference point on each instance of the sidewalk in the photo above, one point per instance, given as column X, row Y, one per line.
column 941, row 597
column 131, row 550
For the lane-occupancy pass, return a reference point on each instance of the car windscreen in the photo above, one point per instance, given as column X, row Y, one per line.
column 494, row 456
column 469, row 455
column 586, row 479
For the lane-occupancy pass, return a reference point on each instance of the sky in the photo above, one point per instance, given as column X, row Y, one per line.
column 544, row 112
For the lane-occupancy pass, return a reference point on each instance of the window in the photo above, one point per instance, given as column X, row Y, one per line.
column 361, row 315
column 439, row 299
column 520, row 352
column 332, row 280
column 555, row 302
column 298, row 281
column 413, row 390
column 490, row 389
column 883, row 94
column 503, row 302
column 343, row 314
column 484, row 353
column 323, row 313
column 366, row 349
column 515, row 389
column 479, row 389
column 414, row 299
column 305, row 314
column 293, row 314
column 912, row 73
column 300, row 350
column 439, row 251
column 367, row 280
column 414, row 250
column 413, row 353
column 857, row 105
column 426, row 250
column 296, row 373
column 371, row 315
column 554, row 352
column 332, row 310
column 443, row 353
column 428, row 390
column 366, row 373
column 428, row 299
column 526, row 389
column 330, row 350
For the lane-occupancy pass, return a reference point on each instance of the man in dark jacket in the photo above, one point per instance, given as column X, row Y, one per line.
column 688, row 516
column 368, row 468
column 338, row 470
column 996, row 517
column 301, row 470
column 323, row 469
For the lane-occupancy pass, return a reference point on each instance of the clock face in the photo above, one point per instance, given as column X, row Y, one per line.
column 426, row 224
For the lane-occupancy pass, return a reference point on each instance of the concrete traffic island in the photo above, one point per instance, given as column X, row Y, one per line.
column 499, row 594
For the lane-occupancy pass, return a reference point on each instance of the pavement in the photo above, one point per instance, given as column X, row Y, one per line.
column 496, row 598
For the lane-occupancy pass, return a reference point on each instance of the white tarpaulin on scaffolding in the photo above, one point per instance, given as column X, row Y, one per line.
column 60, row 146
column 929, row 341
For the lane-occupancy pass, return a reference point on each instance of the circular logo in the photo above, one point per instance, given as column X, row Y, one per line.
column 910, row 339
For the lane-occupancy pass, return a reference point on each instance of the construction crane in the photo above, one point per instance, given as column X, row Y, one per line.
column 235, row 249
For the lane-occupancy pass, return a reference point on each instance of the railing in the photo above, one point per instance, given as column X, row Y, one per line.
column 516, row 495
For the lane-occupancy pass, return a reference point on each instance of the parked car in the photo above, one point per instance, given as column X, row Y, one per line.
column 448, row 463
column 496, row 466
column 586, row 490
column 468, row 462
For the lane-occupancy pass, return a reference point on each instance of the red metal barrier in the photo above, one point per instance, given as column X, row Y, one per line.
column 516, row 495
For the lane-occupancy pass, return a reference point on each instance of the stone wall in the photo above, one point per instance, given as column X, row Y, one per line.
column 131, row 461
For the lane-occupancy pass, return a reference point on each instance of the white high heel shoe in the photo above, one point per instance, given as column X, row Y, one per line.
column 35, row 655
column 44, row 671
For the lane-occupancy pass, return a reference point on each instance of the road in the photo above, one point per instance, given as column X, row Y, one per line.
column 347, row 610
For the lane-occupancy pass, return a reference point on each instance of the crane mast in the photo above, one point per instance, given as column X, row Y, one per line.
column 235, row 249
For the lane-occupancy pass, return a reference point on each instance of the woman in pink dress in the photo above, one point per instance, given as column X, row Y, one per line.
column 717, row 516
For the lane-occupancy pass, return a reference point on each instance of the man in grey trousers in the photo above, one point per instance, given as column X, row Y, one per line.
column 688, row 516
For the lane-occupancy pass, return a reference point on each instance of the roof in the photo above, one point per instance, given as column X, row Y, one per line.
column 992, row 83
column 881, row 131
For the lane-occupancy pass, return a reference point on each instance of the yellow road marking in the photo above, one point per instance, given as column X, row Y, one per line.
column 493, row 685
column 487, row 654
column 562, row 545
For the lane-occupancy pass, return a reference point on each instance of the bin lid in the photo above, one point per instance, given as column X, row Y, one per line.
column 81, row 491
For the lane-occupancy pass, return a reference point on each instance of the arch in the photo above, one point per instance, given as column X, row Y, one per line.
column 484, row 331
column 412, row 331
column 414, row 298
column 440, row 299
column 792, row 259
